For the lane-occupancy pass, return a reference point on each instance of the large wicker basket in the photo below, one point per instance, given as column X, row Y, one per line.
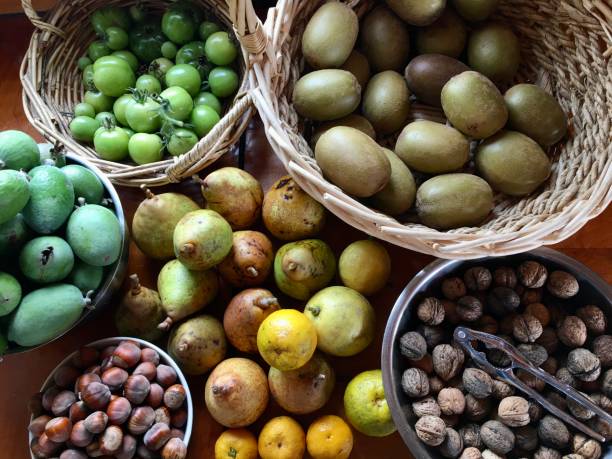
column 52, row 85
column 566, row 49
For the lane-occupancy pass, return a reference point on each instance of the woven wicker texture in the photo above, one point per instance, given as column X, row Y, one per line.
column 52, row 86
column 565, row 49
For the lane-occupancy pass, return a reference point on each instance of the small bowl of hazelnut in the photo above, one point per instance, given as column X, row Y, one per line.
column 555, row 311
column 118, row 397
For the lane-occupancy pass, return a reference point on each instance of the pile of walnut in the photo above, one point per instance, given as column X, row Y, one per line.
column 464, row 412
column 119, row 402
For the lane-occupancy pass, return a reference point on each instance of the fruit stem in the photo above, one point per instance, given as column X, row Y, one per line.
column 166, row 324
column 188, row 248
column 148, row 193
column 196, row 178
column 316, row 310
column 80, row 202
column 183, row 347
column 221, row 390
column 292, row 266
column 265, row 303
column 135, row 286
column 252, row 272
column 88, row 301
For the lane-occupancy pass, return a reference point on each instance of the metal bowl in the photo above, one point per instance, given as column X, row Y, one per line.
column 593, row 290
column 115, row 273
column 164, row 358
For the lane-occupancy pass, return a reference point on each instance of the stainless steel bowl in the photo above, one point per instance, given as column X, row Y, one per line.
column 115, row 273
column 593, row 290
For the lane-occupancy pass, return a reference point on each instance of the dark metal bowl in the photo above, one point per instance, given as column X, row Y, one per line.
column 593, row 290
column 115, row 273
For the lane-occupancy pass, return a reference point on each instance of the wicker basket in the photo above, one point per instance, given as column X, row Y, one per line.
column 566, row 49
column 52, row 85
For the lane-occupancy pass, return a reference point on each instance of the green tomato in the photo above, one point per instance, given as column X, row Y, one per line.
column 185, row 76
column 203, row 119
column 178, row 25
column 97, row 50
column 146, row 40
column 143, row 115
column 169, row 50
column 208, row 98
column 181, row 141
column 148, row 83
column 145, row 148
column 128, row 57
column 99, row 101
column 111, row 144
column 110, row 16
column 194, row 55
column 120, row 106
column 129, row 131
column 159, row 67
column 220, row 49
column 116, row 38
column 83, row 62
column 223, row 81
column 103, row 116
column 84, row 109
column 88, row 74
column 83, row 128
column 113, row 76
column 177, row 104
column 137, row 13
column 207, row 28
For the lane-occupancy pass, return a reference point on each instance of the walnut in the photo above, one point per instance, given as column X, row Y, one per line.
column 546, row 453
column 526, row 438
column 583, row 365
column 497, row 437
column 578, row 410
column 471, row 453
column 606, row 384
column 558, row 400
column 572, row 456
column 526, row 328
column 476, row 409
column 477, row 382
column 602, row 348
column 415, row 383
column 452, row 445
column 451, row 401
column 433, row 335
column 450, row 312
column 600, row 425
column 529, row 295
column 487, row 324
column 426, row 407
column 502, row 301
column 469, row 308
column 453, row 288
column 501, row 390
column 499, row 357
column 586, row 447
column 562, row 284
column 572, row 332
column 504, row 277
column 540, row 312
column 531, row 380
column 552, row 432
column 447, row 361
column 431, row 430
column 535, row 411
column 413, row 346
column 488, row 454
column 558, row 313
column 594, row 319
column 604, row 402
column 564, row 375
column 549, row 340
column 532, row 274
column 431, row 311
column 470, row 433
column 514, row 411
column 506, row 324
column 535, row 353
column 550, row 365
column 425, row 364
column 435, row 385
column 478, row 278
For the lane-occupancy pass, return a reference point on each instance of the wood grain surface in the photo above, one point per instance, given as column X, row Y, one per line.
column 22, row 375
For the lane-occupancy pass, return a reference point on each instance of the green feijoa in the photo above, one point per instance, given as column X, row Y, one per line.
column 512, row 163
column 417, row 12
column 51, row 199
column 10, row 293
column 355, row 121
column 359, row 66
column 13, row 234
column 535, row 113
column 18, row 151
column 386, row 102
column 86, row 277
column 51, row 156
column 325, row 95
column 494, row 51
column 14, row 193
column 432, row 148
column 45, row 314
column 46, row 259
column 398, row 194
column 427, row 74
column 86, row 184
column 454, row 200
column 475, row 10
column 94, row 234
column 385, row 40
column 474, row 105
column 330, row 35
column 446, row 36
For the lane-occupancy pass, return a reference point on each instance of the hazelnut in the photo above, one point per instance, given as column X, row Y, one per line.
column 80, row 436
column 478, row 279
column 553, row 433
column 84, row 381
column 502, row 301
column 166, row 376
column 526, row 438
column 114, row 377
column 451, row 401
column 471, row 453
column 85, row 357
column 156, row 396
column 157, row 436
column 562, row 284
column 147, row 369
column 96, row 422
column 48, row 396
column 149, row 355
column 535, row 353
column 572, row 331
column 93, row 449
column 532, row 274
column 141, row 419
column 65, row 377
column 46, row 447
column 452, row 445
column 583, row 365
column 501, row 390
column 414, row 383
column 142, row 452
column 504, row 277
column 476, row 409
column 73, row 454
column 431, row 430
column 177, row 433
column 107, row 352
column 162, row 415
column 470, row 434
column 62, row 403
column 118, row 411
column 586, row 447
column 433, row 335
column 37, row 425
column 178, row 418
column 58, row 429
column 136, row 389
column 175, row 396
column 594, row 319
column 602, row 348
column 477, row 382
column 106, row 364
column 426, row 407
column 413, row 346
column 93, row 369
column 126, row 355
column 514, row 411
column 174, row 449
column 431, row 311
column 447, row 361
column 453, row 288
column 127, row 450
column 96, row 396
column 469, row 308
column 540, row 312
column 497, row 437
column 111, row 440
column 78, row 411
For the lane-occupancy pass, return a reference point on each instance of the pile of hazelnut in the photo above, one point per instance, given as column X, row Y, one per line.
column 462, row 410
column 120, row 402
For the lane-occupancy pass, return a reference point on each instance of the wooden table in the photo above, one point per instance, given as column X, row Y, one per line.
column 22, row 375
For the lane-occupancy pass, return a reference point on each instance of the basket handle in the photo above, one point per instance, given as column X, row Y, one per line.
column 248, row 26
column 35, row 19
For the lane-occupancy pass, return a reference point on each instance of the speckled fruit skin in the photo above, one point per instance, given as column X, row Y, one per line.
column 250, row 261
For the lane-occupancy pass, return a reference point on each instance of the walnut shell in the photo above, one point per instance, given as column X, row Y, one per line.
column 514, row 411
column 431, row 430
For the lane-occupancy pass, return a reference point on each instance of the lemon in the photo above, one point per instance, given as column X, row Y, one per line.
column 329, row 437
column 236, row 444
column 282, row 438
column 365, row 266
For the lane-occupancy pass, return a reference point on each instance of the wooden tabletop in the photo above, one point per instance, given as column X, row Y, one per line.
column 22, row 375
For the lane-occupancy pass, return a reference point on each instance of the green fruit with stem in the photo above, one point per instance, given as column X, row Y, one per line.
column 18, row 151
column 181, row 141
column 10, row 293
column 140, row 312
column 46, row 259
column 86, row 184
column 86, row 277
column 14, row 193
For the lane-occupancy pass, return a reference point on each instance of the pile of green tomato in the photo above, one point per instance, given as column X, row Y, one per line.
column 153, row 84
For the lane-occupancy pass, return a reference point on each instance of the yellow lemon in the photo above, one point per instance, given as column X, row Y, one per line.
column 286, row 339
column 236, row 444
column 282, row 438
column 329, row 437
